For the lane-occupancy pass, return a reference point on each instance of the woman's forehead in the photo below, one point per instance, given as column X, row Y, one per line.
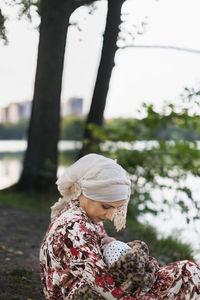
column 114, row 204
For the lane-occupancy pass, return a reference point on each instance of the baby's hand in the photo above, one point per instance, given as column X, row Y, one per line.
column 105, row 239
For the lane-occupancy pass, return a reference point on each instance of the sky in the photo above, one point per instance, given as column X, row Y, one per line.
column 139, row 75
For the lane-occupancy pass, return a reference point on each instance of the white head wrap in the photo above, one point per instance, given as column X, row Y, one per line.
column 97, row 178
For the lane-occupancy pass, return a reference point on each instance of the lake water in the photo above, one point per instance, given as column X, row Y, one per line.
column 170, row 221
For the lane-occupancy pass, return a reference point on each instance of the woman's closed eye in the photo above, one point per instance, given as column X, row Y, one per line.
column 106, row 207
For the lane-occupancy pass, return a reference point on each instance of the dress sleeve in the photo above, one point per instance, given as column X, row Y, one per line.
column 80, row 254
column 100, row 229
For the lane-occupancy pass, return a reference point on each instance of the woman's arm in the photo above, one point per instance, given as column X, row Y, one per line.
column 105, row 239
column 82, row 257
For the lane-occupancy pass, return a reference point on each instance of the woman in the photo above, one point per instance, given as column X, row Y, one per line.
column 95, row 189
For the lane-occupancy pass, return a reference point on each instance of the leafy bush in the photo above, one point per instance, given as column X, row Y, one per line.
column 72, row 128
column 164, row 249
column 10, row 131
column 158, row 163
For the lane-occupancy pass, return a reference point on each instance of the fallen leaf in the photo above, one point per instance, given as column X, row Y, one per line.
column 3, row 247
column 7, row 258
column 18, row 252
column 10, row 250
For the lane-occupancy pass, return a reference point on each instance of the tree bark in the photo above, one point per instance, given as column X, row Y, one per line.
column 41, row 157
column 106, row 65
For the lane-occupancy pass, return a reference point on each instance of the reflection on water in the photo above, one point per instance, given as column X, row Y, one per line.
column 21, row 145
column 11, row 155
column 10, row 170
column 12, row 146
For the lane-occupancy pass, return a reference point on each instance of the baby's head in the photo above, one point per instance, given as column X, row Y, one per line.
column 114, row 251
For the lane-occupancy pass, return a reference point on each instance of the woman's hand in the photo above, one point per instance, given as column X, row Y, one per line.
column 105, row 239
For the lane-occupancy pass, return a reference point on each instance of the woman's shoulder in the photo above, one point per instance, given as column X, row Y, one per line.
column 72, row 224
column 71, row 212
column 76, row 216
column 72, row 216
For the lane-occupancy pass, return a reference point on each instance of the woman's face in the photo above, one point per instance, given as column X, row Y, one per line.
column 99, row 211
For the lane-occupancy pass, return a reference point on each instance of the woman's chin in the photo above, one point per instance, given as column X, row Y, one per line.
column 99, row 220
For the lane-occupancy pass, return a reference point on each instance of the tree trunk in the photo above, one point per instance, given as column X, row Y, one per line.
column 40, row 162
column 106, row 65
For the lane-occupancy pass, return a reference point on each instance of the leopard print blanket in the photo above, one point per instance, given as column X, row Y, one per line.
column 132, row 271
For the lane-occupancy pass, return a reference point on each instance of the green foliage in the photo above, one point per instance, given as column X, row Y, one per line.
column 25, row 10
column 2, row 27
column 72, row 128
column 26, row 6
column 163, row 160
column 166, row 125
column 161, row 167
column 10, row 131
column 91, row 138
column 46, row 171
column 164, row 249
column 68, row 157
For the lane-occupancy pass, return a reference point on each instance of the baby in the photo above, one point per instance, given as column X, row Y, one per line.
column 128, row 264
column 114, row 250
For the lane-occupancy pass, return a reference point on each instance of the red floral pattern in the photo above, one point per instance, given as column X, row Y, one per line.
column 118, row 293
column 71, row 257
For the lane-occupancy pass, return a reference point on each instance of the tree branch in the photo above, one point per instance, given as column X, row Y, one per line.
column 162, row 47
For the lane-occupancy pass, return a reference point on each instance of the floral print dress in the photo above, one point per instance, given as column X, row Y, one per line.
column 71, row 257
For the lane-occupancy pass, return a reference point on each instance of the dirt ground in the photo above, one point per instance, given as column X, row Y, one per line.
column 21, row 233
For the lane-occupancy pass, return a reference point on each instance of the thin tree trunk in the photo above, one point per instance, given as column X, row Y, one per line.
column 106, row 65
column 40, row 162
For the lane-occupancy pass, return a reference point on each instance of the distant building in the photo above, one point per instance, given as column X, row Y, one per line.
column 74, row 106
column 16, row 112
column 4, row 115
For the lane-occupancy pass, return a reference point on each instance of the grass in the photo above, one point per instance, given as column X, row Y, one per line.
column 20, row 273
column 28, row 201
column 20, row 284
